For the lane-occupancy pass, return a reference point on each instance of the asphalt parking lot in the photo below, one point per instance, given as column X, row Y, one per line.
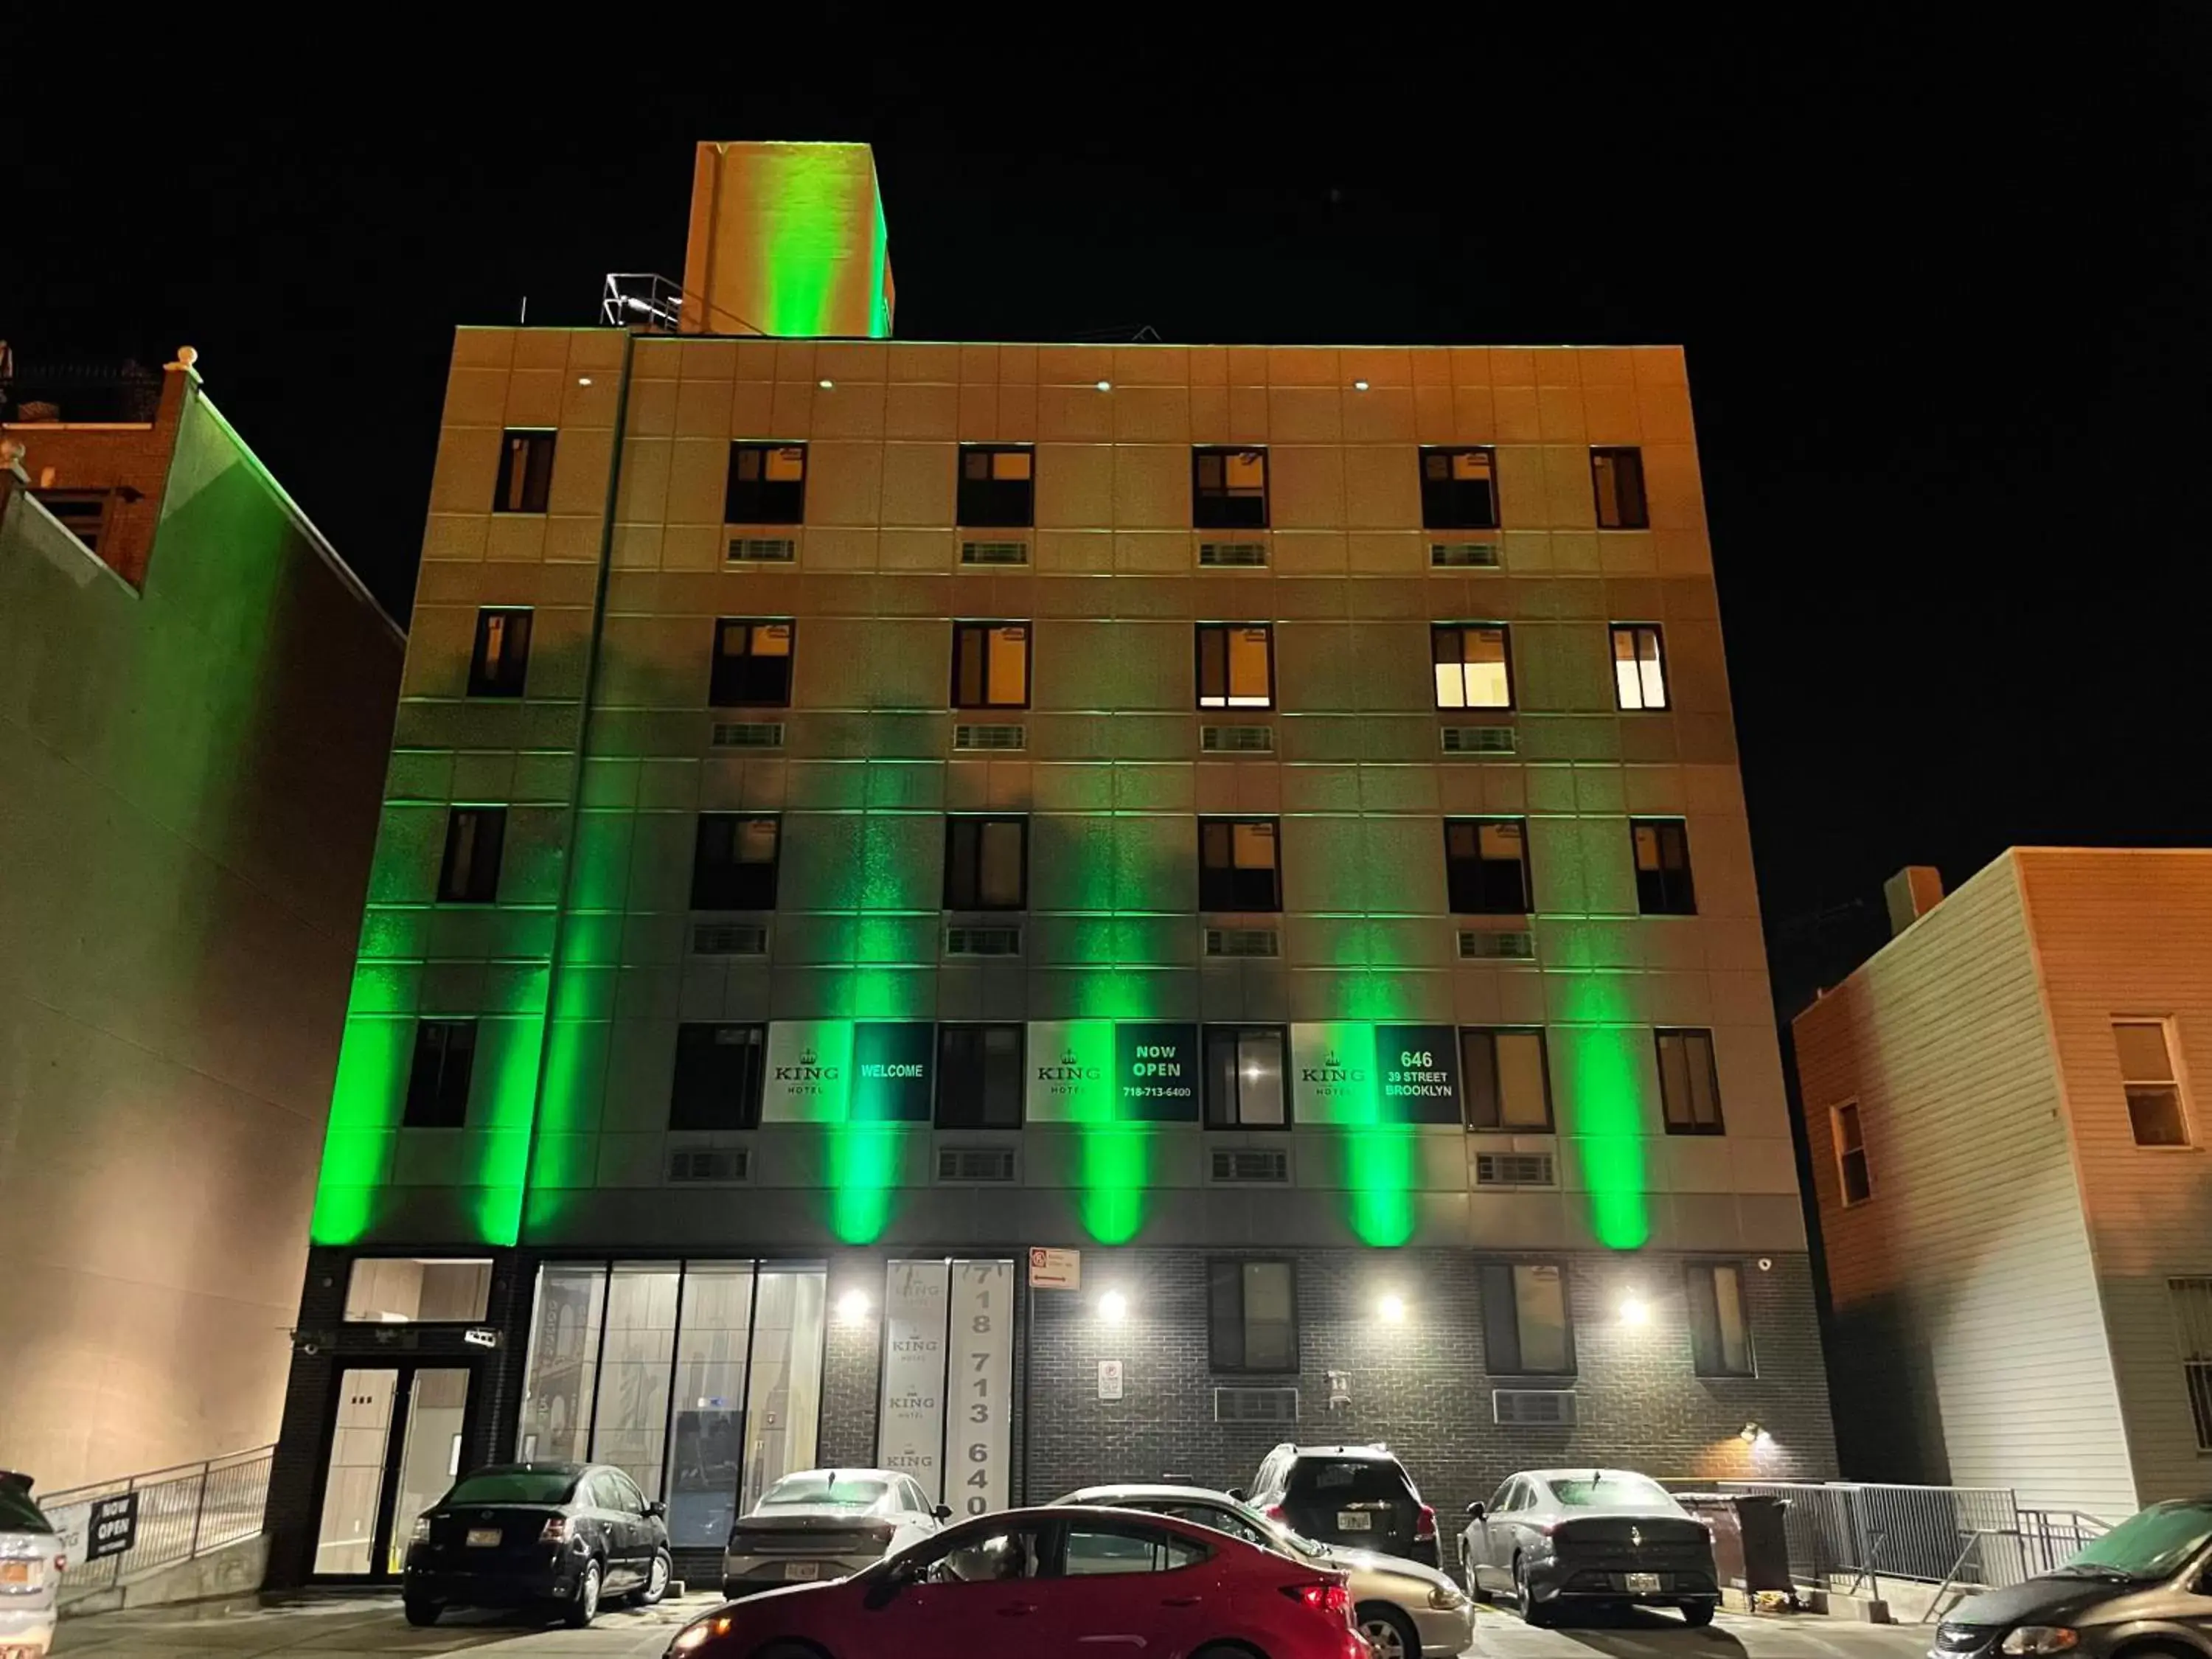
column 361, row 1627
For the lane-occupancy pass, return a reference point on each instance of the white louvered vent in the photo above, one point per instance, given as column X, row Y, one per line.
column 708, row 1165
column 1236, row 739
column 982, row 941
column 994, row 552
column 1514, row 1169
column 1242, row 942
column 748, row 734
column 1251, row 1166
column 1255, row 1405
column 1221, row 554
column 1533, row 1407
column 975, row 1165
column 1476, row 739
column 1485, row 944
column 762, row 549
column 730, row 938
column 1464, row 556
column 990, row 737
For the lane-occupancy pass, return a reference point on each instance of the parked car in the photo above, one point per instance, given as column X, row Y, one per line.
column 1402, row 1607
column 1557, row 1539
column 1359, row 1496
column 1026, row 1584
column 825, row 1523
column 31, row 1562
column 2142, row 1587
column 565, row 1536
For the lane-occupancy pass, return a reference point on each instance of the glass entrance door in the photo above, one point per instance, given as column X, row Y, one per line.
column 395, row 1445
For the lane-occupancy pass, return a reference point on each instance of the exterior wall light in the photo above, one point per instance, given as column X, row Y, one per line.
column 1635, row 1310
column 1105, row 385
column 1755, row 1435
column 853, row 1308
column 827, row 386
column 1393, row 1309
column 1359, row 385
column 1113, row 1306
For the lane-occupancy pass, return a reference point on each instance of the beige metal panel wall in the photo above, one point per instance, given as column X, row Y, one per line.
column 1968, row 1341
column 2124, row 933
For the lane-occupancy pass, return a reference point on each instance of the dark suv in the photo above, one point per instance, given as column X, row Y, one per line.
column 1360, row 1497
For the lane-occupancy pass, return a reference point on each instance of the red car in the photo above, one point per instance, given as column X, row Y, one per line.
column 1040, row 1583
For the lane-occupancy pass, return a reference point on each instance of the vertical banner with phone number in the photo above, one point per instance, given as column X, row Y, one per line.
column 979, row 1397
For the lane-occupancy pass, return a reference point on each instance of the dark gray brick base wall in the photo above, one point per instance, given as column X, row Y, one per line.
column 852, row 1357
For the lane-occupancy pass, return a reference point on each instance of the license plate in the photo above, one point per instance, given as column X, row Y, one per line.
column 17, row 1572
column 1643, row 1583
column 1354, row 1520
column 802, row 1569
column 484, row 1538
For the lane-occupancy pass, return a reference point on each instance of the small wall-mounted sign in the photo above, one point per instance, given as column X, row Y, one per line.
column 1055, row 1270
column 481, row 1336
column 1110, row 1379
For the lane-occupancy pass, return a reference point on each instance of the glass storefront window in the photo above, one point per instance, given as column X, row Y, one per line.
column 707, row 1430
column 631, row 1427
column 416, row 1290
column 562, row 1371
column 783, row 1404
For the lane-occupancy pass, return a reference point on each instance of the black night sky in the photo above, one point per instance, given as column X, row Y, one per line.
column 1943, row 286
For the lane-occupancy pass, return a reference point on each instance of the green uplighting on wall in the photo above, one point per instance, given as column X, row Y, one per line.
column 825, row 235
column 1601, row 1053
column 864, row 1162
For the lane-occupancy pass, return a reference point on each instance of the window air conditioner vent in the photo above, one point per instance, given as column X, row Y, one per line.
column 730, row 938
column 982, row 941
column 966, row 1165
column 762, row 549
column 990, row 737
column 1255, row 1405
column 1514, row 1169
column 708, row 1165
column 1251, row 1166
column 994, row 552
column 1533, row 1407
column 1481, row 945
column 1476, row 739
column 1236, row 739
column 1242, row 942
column 748, row 734
column 1223, row 554
column 1464, row 556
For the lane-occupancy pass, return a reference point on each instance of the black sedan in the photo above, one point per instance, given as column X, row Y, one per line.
column 557, row 1536
column 1557, row 1539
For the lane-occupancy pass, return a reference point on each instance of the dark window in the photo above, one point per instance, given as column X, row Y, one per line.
column 1244, row 1077
column 438, row 1084
column 1525, row 1320
column 81, row 511
column 525, row 472
column 2155, row 1112
column 500, row 661
column 719, row 1069
column 515, row 1486
column 752, row 663
column 1473, row 664
column 987, row 863
column 1229, row 489
column 1458, row 489
column 768, row 484
column 1850, row 1154
column 1252, row 1316
column 1486, row 866
column 1689, row 1083
column 1509, row 1086
column 475, row 836
column 1236, row 665
column 1662, row 867
column 1617, row 476
column 990, row 664
column 1639, row 666
column 1237, row 867
column 1098, row 1548
column 1720, row 1329
column 1350, row 1480
column 997, row 486
column 979, row 1077
column 733, row 862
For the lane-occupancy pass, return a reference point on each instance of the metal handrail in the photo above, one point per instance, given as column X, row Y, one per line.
column 186, row 1511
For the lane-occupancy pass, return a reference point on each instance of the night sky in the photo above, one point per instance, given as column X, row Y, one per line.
column 1943, row 289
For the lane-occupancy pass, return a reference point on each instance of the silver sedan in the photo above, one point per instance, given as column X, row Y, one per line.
column 821, row 1524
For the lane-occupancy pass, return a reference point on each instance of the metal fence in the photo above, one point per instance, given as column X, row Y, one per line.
column 182, row 1512
column 1850, row 1535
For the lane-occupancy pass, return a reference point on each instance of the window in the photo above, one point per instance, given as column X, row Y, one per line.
column 1689, row 1082
column 474, row 838
column 1851, row 1153
column 990, row 664
column 81, row 511
column 1214, row 1517
column 733, row 862
column 525, row 472
column 1236, row 665
column 1639, row 666
column 2192, row 1317
column 416, row 1290
column 752, row 663
column 979, row 1077
column 1525, row 1320
column 1237, row 865
column 1252, row 1318
column 1509, row 1085
column 2146, row 1074
column 998, row 486
column 768, row 484
column 500, row 661
column 1617, row 477
column 1229, row 489
column 438, row 1083
column 719, row 1069
column 1486, row 866
column 1474, row 665
column 987, row 863
column 1244, row 1077
column 1662, row 867
column 1720, row 1332
column 1107, row 1547
column 972, row 1555
column 1458, row 489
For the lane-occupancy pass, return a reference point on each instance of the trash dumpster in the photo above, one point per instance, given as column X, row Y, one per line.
column 1751, row 1548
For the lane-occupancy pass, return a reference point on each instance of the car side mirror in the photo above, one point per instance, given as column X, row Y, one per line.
column 1476, row 1512
column 1237, row 1492
column 654, row 1508
column 943, row 1511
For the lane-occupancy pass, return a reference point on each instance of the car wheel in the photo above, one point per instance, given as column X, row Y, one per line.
column 1468, row 1572
column 1696, row 1613
column 420, row 1611
column 656, row 1581
column 585, row 1606
column 1387, row 1632
column 1533, row 1613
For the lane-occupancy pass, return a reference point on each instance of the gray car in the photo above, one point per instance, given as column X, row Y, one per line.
column 2145, row 1588
column 821, row 1524
column 1558, row 1539
column 1402, row 1607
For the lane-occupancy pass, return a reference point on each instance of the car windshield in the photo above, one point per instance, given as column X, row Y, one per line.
column 1602, row 1489
column 2150, row 1545
column 820, row 1486
column 18, row 1513
column 513, row 1486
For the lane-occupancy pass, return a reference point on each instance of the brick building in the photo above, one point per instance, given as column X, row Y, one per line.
column 1265, row 817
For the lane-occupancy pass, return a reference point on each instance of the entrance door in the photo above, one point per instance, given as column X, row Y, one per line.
column 395, row 1445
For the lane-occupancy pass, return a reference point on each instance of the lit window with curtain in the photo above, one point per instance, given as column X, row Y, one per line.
column 1639, row 667
column 1473, row 664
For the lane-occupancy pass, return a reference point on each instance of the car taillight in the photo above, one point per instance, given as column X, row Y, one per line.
column 1274, row 1512
column 61, row 1564
column 556, row 1531
column 1328, row 1597
column 1425, row 1528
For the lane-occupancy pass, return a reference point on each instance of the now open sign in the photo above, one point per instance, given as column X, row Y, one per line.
column 113, row 1527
